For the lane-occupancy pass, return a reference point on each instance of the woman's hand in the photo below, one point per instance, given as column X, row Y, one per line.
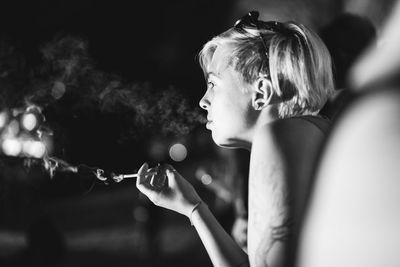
column 166, row 188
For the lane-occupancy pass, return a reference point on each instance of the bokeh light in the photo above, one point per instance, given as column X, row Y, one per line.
column 11, row 147
column 26, row 146
column 38, row 149
column 29, row 121
column 13, row 128
column 58, row 90
column 34, row 149
column 206, row 179
column 202, row 175
column 200, row 172
column 3, row 119
column 178, row 152
column 25, row 143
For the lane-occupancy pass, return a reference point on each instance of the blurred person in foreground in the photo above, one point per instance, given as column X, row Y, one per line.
column 266, row 81
column 354, row 214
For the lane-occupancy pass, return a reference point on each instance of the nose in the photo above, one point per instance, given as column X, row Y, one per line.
column 204, row 102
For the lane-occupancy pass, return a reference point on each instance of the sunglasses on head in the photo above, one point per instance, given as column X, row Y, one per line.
column 250, row 20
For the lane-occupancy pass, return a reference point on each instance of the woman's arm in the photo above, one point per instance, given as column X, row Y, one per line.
column 179, row 195
column 282, row 157
column 221, row 248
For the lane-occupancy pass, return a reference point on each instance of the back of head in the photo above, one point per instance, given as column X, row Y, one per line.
column 294, row 59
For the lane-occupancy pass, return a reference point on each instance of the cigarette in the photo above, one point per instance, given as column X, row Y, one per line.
column 133, row 175
column 120, row 177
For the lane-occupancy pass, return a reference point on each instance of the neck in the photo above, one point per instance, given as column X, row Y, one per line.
column 265, row 116
column 261, row 118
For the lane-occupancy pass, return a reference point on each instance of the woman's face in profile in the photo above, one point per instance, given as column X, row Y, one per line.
column 227, row 102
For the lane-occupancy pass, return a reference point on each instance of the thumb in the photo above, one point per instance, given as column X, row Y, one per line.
column 171, row 175
column 142, row 174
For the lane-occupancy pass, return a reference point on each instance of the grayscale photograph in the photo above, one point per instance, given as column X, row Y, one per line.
column 252, row 133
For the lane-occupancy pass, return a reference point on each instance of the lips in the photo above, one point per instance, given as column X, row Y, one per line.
column 208, row 125
column 209, row 121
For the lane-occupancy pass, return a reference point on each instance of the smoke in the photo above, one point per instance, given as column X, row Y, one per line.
column 68, row 81
column 54, row 166
column 162, row 111
column 65, row 87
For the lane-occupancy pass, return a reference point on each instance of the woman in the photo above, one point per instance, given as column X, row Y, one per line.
column 266, row 82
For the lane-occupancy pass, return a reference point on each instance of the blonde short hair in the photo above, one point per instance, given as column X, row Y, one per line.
column 297, row 63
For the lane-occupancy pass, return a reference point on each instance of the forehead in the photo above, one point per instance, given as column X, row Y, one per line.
column 220, row 59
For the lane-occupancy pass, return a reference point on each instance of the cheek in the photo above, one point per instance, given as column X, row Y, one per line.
column 225, row 115
column 231, row 112
column 233, row 122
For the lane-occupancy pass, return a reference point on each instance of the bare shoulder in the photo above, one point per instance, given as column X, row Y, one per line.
column 286, row 136
column 284, row 154
column 281, row 160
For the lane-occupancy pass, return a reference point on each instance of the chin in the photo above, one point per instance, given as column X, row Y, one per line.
column 224, row 141
column 219, row 140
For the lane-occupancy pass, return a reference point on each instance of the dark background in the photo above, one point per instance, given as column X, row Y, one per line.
column 152, row 46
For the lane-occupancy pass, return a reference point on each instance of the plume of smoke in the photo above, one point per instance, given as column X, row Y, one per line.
column 146, row 109
column 68, row 75
column 67, row 57
column 67, row 83
column 161, row 111
column 66, row 69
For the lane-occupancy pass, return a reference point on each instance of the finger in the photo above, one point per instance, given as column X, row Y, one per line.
column 142, row 174
column 153, row 180
column 158, row 181
column 152, row 170
column 150, row 173
column 170, row 175
column 169, row 167
column 163, row 180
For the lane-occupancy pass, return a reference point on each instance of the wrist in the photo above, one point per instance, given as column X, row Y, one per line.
column 190, row 203
column 191, row 207
column 196, row 209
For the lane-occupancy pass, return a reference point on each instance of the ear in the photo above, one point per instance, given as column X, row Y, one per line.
column 262, row 93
